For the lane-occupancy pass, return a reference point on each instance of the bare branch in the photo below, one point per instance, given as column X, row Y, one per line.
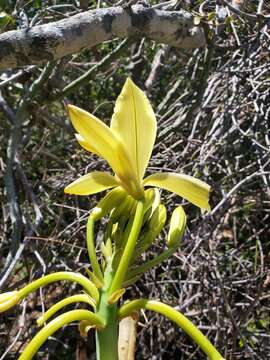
column 57, row 39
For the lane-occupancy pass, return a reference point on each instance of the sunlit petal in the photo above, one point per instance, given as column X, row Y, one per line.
column 135, row 123
column 91, row 183
column 99, row 138
column 84, row 144
column 189, row 188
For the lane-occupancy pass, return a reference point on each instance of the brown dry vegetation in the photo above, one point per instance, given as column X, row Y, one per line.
column 212, row 106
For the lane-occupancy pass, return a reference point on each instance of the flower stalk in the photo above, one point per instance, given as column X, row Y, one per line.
column 80, row 298
column 107, row 338
column 175, row 316
column 88, row 286
column 131, row 243
column 62, row 320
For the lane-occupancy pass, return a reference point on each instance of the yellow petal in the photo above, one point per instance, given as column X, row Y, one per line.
column 135, row 123
column 84, row 144
column 99, row 138
column 189, row 188
column 91, row 183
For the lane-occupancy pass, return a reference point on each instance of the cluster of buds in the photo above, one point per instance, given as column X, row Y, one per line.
column 128, row 234
column 121, row 208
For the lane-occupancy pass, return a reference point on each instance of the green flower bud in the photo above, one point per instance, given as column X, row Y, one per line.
column 154, row 226
column 158, row 218
column 8, row 300
column 124, row 209
column 156, row 201
column 106, row 251
column 147, row 215
column 117, row 233
column 177, row 227
column 149, row 196
column 110, row 201
column 152, row 199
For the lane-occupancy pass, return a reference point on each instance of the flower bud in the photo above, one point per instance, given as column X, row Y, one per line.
column 154, row 198
column 146, row 216
column 158, row 219
column 116, row 233
column 106, row 251
column 124, row 208
column 149, row 196
column 154, row 226
column 156, row 201
column 111, row 200
column 8, row 300
column 177, row 227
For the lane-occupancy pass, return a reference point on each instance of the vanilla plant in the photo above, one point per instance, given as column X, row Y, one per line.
column 135, row 218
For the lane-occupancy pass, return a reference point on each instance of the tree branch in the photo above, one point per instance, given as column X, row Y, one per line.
column 55, row 40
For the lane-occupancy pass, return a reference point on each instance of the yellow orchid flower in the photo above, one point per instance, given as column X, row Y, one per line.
column 127, row 146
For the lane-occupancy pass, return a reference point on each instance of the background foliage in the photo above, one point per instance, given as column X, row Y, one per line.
column 212, row 106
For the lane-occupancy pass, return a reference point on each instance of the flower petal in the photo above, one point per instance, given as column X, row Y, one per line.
column 91, row 183
column 84, row 144
column 135, row 123
column 104, row 142
column 97, row 134
column 189, row 188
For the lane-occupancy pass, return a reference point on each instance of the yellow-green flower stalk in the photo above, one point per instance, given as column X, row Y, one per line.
column 175, row 316
column 127, row 146
column 79, row 298
column 57, row 323
column 88, row 285
column 10, row 299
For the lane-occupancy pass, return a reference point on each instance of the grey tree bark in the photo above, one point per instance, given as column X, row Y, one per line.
column 55, row 40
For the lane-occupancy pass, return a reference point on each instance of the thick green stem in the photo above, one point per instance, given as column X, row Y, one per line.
column 128, row 252
column 107, row 338
column 178, row 318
